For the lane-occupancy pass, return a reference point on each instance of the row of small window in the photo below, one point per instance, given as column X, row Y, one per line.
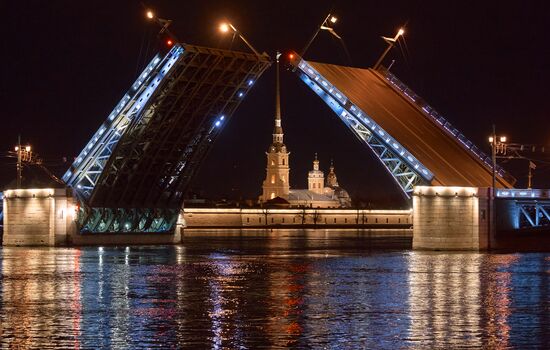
column 366, row 220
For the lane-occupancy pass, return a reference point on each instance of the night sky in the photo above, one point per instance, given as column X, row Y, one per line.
column 66, row 64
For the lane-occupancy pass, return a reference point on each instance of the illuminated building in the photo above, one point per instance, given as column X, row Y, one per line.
column 276, row 183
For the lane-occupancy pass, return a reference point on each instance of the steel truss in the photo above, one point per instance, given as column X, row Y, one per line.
column 534, row 213
column 136, row 175
column 90, row 163
column 405, row 169
column 101, row 220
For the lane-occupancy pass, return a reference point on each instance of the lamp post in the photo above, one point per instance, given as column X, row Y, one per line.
column 226, row 27
column 498, row 145
column 329, row 19
column 18, row 150
column 163, row 23
column 532, row 166
column 20, row 155
column 391, row 43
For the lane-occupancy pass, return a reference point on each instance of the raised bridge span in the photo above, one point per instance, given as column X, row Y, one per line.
column 412, row 140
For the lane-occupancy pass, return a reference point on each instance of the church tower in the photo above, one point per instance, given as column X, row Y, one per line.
column 277, row 177
column 316, row 178
column 332, row 181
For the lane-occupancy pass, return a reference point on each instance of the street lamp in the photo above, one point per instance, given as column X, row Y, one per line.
column 324, row 26
column 498, row 145
column 163, row 23
column 226, row 27
column 391, row 43
column 20, row 157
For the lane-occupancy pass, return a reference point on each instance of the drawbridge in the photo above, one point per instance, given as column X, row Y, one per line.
column 132, row 175
column 415, row 144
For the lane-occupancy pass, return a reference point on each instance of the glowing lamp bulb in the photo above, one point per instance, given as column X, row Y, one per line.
column 150, row 14
column 291, row 56
column 16, row 148
column 241, row 94
column 401, row 31
column 224, row 27
column 503, row 139
column 169, row 42
column 333, row 19
column 28, row 148
column 490, row 139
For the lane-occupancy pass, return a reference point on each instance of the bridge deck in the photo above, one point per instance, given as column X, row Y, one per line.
column 449, row 161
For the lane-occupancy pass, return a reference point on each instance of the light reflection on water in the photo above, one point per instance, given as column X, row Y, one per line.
column 277, row 289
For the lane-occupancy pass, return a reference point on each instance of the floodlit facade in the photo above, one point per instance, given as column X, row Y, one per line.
column 276, row 186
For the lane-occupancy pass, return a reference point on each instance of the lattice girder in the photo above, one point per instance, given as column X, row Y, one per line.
column 404, row 168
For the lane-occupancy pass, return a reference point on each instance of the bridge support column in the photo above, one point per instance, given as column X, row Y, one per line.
column 508, row 212
column 38, row 217
column 451, row 218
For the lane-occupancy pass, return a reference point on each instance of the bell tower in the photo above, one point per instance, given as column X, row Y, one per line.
column 277, row 171
column 316, row 178
column 332, row 180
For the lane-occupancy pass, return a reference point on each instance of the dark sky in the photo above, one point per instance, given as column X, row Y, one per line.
column 65, row 65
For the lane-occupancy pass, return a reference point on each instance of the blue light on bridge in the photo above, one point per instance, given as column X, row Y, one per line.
column 241, row 94
column 250, row 82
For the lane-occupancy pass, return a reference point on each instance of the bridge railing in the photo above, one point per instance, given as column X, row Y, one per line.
column 442, row 123
column 523, row 193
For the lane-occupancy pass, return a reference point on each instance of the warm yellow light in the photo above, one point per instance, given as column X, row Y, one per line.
column 503, row 139
column 16, row 148
column 150, row 14
column 224, row 27
column 490, row 139
column 401, row 31
column 333, row 19
column 28, row 148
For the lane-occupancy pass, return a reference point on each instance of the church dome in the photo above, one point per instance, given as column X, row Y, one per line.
column 343, row 197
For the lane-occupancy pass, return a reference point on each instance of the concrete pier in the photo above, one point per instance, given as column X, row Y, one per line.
column 38, row 217
column 451, row 218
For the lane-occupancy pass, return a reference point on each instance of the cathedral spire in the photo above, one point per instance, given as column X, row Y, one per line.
column 278, row 92
column 278, row 131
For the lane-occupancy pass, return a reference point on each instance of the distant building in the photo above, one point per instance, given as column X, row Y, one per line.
column 276, row 188
column 276, row 180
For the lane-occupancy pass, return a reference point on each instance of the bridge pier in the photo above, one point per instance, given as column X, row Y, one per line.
column 508, row 215
column 38, row 217
column 451, row 218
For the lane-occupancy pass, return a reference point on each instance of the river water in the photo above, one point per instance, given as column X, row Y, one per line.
column 280, row 289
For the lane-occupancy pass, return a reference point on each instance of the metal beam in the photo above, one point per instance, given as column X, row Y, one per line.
column 405, row 169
